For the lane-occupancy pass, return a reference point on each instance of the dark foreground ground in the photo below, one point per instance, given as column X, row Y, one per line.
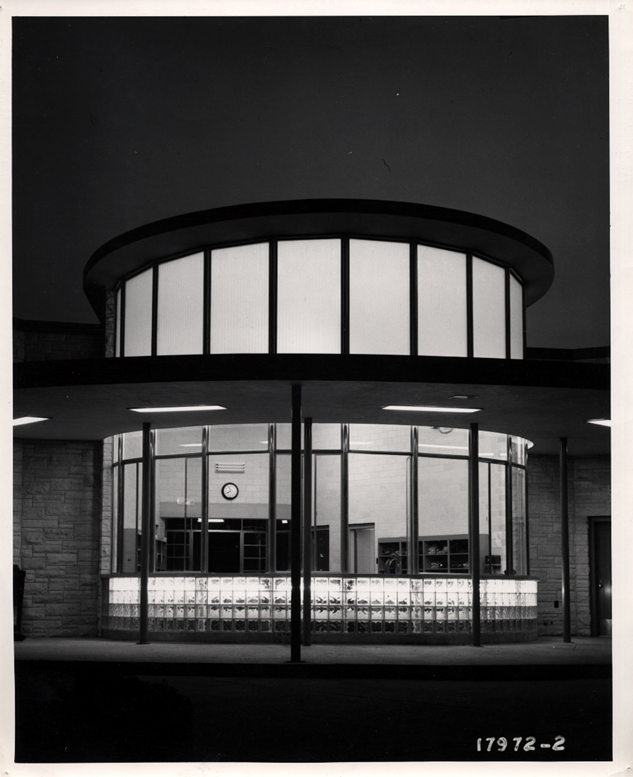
column 113, row 711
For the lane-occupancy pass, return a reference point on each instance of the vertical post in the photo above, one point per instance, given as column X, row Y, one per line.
column 509, row 527
column 414, row 530
column 307, row 531
column 295, row 527
column 473, row 529
column 204, row 515
column 272, row 499
column 564, row 540
column 344, row 498
column 145, row 534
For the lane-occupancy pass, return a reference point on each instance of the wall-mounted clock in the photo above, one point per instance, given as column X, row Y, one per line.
column 230, row 491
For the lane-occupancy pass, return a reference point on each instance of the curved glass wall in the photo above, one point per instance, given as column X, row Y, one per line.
column 322, row 295
column 392, row 501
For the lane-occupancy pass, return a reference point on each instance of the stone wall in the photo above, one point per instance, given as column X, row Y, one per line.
column 57, row 535
column 589, row 494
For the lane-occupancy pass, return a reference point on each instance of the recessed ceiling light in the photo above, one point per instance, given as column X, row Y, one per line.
column 600, row 421
column 428, row 409
column 191, row 445
column 464, row 396
column 183, row 409
column 28, row 419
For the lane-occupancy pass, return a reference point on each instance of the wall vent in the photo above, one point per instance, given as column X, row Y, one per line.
column 230, row 466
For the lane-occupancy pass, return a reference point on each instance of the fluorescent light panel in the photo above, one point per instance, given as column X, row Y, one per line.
column 27, row 419
column 183, row 409
column 429, row 409
column 600, row 421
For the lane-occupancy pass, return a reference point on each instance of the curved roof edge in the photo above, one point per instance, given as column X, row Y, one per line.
column 443, row 227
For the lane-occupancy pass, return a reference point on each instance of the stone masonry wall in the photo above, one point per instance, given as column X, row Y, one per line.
column 589, row 494
column 57, row 539
column 45, row 341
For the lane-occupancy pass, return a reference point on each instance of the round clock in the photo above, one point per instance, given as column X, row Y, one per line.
column 230, row 491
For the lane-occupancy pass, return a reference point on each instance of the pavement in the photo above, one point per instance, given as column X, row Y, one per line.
column 582, row 651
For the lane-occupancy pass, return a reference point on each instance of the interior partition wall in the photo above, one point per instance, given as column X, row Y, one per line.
column 328, row 295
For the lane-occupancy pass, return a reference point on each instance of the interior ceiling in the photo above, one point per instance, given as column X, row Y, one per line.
column 538, row 413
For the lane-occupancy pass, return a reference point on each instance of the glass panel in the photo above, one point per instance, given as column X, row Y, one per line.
column 283, row 514
column 133, row 445
column 115, row 520
column 284, row 432
column 129, row 561
column 443, row 515
column 309, row 296
column 379, row 297
column 442, row 440
column 239, row 299
column 250, row 474
column 518, row 450
column 117, row 324
column 497, row 512
column 484, row 520
column 378, row 499
column 138, row 315
column 185, row 440
column 516, row 319
column 489, row 330
column 519, row 533
column 178, row 514
column 115, row 448
column 374, row 437
column 493, row 445
column 326, row 437
column 442, row 307
column 249, row 437
column 326, row 516
column 181, row 305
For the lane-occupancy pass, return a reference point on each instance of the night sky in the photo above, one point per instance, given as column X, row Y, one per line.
column 119, row 122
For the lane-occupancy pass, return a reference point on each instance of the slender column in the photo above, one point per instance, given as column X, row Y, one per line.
column 145, row 533
column 295, row 527
column 272, row 499
column 414, row 531
column 307, row 531
column 564, row 540
column 344, row 498
column 473, row 529
column 509, row 527
column 204, row 515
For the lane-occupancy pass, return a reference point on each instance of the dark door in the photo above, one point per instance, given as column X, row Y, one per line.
column 601, row 576
column 224, row 551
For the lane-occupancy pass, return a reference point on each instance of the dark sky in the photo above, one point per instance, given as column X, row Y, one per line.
column 119, row 122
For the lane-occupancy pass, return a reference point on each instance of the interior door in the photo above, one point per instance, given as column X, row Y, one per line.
column 362, row 549
column 601, row 582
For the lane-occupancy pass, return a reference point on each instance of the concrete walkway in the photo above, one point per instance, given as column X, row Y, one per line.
column 582, row 651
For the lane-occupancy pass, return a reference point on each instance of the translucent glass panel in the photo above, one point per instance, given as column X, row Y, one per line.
column 519, row 528
column 443, row 441
column 379, row 297
column 138, row 315
column 282, row 512
column 238, row 437
column 373, row 437
column 489, row 331
column 326, row 437
column 115, row 520
column 378, row 495
column 516, row 319
column 185, row 440
column 133, row 445
column 493, row 445
column 497, row 513
column 239, row 299
column 117, row 324
column 326, row 512
column 442, row 307
column 484, row 516
column 518, row 450
column 442, row 497
column 180, row 305
column 284, row 432
column 309, row 296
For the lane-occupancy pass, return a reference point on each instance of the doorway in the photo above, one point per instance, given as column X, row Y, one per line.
column 362, row 548
column 600, row 575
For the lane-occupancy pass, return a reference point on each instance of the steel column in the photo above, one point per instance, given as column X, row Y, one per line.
column 307, row 531
column 414, row 523
column 564, row 540
column 145, row 533
column 295, row 527
column 473, row 530
column 344, row 498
